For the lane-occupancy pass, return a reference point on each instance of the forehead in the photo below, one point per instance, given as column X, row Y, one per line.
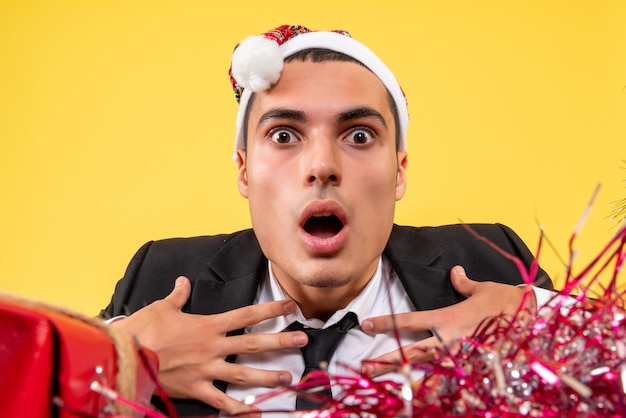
column 328, row 87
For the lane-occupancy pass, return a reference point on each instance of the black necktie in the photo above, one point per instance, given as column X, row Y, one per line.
column 321, row 347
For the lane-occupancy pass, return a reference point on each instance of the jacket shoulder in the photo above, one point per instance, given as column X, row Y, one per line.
column 459, row 235
column 485, row 250
column 188, row 249
column 151, row 273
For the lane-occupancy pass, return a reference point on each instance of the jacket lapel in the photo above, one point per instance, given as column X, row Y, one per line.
column 233, row 276
column 414, row 258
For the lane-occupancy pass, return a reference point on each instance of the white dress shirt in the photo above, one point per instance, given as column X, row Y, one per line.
column 383, row 295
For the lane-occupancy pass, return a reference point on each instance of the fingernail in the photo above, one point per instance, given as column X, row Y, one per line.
column 284, row 378
column 289, row 306
column 368, row 369
column 460, row 270
column 367, row 325
column 300, row 339
column 179, row 281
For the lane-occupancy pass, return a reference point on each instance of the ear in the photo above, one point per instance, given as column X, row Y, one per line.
column 403, row 160
column 242, row 177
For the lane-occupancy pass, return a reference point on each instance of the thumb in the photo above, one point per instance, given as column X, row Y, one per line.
column 461, row 283
column 180, row 294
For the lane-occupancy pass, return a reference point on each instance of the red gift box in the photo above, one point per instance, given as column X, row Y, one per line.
column 50, row 358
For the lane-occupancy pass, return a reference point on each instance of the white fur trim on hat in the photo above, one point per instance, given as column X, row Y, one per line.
column 346, row 45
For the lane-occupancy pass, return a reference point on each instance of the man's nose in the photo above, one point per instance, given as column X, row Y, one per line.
column 322, row 161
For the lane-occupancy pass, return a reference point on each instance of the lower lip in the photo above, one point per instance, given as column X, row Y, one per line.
column 324, row 246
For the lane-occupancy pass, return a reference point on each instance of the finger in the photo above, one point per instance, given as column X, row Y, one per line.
column 260, row 343
column 180, row 294
column 412, row 353
column 461, row 283
column 253, row 314
column 219, row 400
column 409, row 321
column 248, row 376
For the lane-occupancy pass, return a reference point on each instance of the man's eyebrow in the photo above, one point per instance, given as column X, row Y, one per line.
column 289, row 114
column 361, row 112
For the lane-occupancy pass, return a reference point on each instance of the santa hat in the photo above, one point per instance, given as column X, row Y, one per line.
column 257, row 63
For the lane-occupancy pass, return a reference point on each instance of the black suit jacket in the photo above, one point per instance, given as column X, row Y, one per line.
column 225, row 271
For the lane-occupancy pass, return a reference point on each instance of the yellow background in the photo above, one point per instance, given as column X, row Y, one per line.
column 117, row 123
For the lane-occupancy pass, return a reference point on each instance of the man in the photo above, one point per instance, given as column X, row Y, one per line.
column 321, row 151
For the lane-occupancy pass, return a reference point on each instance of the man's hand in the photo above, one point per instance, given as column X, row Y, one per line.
column 484, row 300
column 192, row 348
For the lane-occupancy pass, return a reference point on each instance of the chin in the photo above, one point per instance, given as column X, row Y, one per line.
column 328, row 281
column 325, row 283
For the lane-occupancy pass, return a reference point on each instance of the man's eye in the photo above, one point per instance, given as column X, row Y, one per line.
column 283, row 137
column 360, row 137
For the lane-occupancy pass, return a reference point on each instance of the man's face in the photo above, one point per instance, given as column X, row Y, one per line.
column 322, row 175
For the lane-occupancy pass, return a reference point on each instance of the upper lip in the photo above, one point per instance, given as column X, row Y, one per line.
column 323, row 208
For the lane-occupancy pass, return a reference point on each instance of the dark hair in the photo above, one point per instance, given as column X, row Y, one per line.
column 322, row 55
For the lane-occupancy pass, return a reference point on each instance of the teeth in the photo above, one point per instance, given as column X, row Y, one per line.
column 322, row 215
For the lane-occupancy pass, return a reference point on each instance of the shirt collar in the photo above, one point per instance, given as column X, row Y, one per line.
column 363, row 305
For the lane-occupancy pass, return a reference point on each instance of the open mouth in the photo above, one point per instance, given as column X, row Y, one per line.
column 323, row 225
